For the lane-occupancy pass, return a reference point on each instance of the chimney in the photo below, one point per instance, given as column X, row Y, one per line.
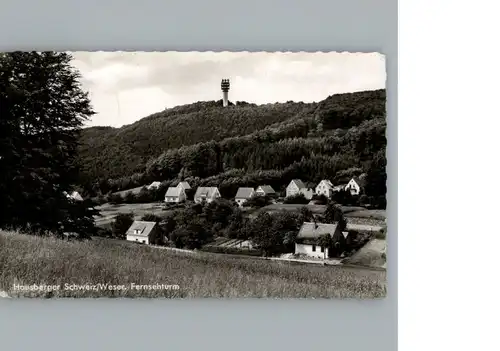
column 225, row 91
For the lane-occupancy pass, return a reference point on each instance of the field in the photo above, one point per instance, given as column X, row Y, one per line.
column 26, row 260
column 109, row 211
column 358, row 218
column 134, row 191
column 370, row 255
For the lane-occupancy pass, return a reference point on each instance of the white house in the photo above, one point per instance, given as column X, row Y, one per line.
column 355, row 185
column 184, row 185
column 296, row 187
column 325, row 187
column 154, row 185
column 306, row 241
column 265, row 190
column 207, row 194
column 175, row 195
column 143, row 232
column 243, row 195
column 75, row 195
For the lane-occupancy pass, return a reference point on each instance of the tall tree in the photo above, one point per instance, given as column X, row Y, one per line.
column 121, row 224
column 42, row 110
column 334, row 214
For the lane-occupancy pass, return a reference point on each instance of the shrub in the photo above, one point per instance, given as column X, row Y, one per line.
column 129, row 197
column 121, row 224
column 104, row 232
column 320, row 199
column 298, row 199
column 151, row 217
column 257, row 201
column 115, row 199
column 382, row 234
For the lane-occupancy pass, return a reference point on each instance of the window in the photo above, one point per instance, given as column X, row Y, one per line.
column 322, row 249
column 314, row 248
column 144, row 241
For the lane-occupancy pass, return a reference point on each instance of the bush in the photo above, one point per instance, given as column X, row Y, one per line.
column 382, row 234
column 104, row 232
column 129, row 197
column 115, row 199
column 151, row 217
column 320, row 199
column 298, row 199
column 364, row 200
column 258, row 201
column 121, row 224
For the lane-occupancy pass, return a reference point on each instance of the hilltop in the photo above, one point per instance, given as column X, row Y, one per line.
column 335, row 138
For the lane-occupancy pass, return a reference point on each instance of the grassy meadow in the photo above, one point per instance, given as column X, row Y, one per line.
column 26, row 260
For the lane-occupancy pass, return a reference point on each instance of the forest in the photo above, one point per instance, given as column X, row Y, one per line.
column 243, row 145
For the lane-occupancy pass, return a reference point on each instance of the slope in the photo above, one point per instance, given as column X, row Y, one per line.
column 336, row 138
column 114, row 152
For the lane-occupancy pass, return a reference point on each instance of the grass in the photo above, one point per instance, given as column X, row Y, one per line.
column 108, row 212
column 26, row 260
column 364, row 213
column 373, row 254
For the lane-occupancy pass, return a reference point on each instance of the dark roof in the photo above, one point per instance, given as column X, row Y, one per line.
column 144, row 227
column 244, row 193
column 267, row 189
column 311, row 230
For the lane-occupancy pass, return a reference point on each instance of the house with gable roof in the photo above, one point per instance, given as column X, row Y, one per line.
column 175, row 195
column 184, row 185
column 75, row 196
column 325, row 187
column 265, row 190
column 355, row 185
column 154, row 185
column 306, row 242
column 207, row 194
column 297, row 187
column 243, row 195
column 144, row 232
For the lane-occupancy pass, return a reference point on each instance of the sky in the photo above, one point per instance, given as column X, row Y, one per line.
column 127, row 86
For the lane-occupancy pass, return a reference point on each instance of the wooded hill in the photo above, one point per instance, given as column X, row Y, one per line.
column 243, row 145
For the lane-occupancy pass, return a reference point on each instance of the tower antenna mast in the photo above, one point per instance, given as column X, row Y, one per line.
column 224, row 85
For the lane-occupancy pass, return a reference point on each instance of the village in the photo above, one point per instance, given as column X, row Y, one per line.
column 279, row 197
column 360, row 241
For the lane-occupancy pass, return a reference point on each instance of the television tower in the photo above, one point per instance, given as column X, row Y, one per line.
column 224, row 85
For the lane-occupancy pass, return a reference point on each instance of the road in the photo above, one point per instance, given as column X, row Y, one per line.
column 329, row 262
